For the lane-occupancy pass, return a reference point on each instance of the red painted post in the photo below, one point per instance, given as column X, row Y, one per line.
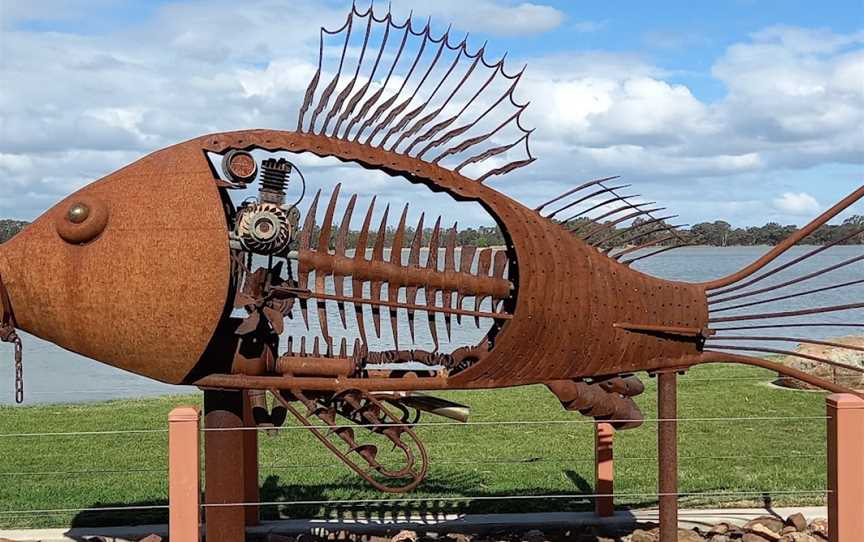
column 845, row 467
column 224, row 487
column 184, row 487
column 604, row 470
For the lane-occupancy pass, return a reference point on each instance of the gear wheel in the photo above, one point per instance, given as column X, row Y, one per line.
column 264, row 228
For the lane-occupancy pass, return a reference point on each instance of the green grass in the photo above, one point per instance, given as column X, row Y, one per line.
column 725, row 456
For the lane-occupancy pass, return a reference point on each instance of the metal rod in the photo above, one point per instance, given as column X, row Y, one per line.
column 667, row 454
column 789, row 242
column 816, row 310
column 788, row 353
column 791, row 282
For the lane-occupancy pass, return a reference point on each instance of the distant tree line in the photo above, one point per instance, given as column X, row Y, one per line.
column 8, row 228
column 717, row 233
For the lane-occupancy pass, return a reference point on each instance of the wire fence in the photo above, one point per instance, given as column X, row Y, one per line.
column 547, row 467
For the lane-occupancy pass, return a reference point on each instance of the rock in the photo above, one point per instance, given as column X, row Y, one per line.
column 151, row 538
column 535, row 535
column 818, row 527
column 764, row 532
column 405, row 536
column 686, row 535
column 789, row 529
column 720, row 528
column 798, row 521
column 644, row 536
column 846, row 377
column 770, row 522
column 798, row 537
column 718, row 538
column 752, row 537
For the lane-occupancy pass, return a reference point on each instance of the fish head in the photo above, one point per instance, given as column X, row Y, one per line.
column 132, row 270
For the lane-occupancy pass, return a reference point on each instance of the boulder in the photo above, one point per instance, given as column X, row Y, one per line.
column 798, row 537
column 797, row 521
column 845, row 377
column 764, row 532
column 771, row 522
column 685, row 535
column 644, row 536
column 818, row 527
column 405, row 536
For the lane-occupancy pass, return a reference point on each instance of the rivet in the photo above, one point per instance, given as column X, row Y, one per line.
column 78, row 213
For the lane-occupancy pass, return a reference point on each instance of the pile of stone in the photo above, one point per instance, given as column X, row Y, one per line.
column 762, row 529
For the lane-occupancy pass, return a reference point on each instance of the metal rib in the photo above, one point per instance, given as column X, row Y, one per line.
column 392, row 99
column 789, row 296
column 352, row 103
column 414, row 261
column 343, row 95
column 601, row 204
column 324, row 99
column 431, row 293
column 787, row 265
column 573, row 191
column 449, row 267
column 789, row 353
column 411, row 115
column 786, row 339
column 802, row 278
column 462, row 129
column 655, row 242
column 466, row 259
column 596, row 193
column 652, row 231
column 607, row 225
column 632, row 228
column 784, row 314
column 357, row 285
column 372, row 100
column 341, row 239
column 396, row 259
column 378, row 256
column 789, row 242
column 506, row 168
column 655, row 253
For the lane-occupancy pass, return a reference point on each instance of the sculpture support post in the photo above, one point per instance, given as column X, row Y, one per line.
column 667, row 454
column 250, row 462
column 184, row 487
column 604, row 470
column 845, row 466
column 223, row 454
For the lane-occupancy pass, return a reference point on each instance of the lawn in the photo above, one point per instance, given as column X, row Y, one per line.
column 735, row 460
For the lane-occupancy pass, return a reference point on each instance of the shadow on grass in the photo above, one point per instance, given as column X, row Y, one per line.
column 439, row 495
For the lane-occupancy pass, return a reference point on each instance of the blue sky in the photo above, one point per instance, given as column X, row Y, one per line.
column 742, row 110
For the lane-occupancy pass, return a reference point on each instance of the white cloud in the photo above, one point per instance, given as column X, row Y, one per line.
column 802, row 204
column 75, row 107
column 488, row 16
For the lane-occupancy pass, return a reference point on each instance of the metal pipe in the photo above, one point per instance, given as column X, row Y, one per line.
column 667, row 454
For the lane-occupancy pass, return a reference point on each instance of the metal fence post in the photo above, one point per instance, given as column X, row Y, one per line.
column 251, row 492
column 224, row 486
column 667, row 454
column 184, row 490
column 604, row 470
column 845, row 467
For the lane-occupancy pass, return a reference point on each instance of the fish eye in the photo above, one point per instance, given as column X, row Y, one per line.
column 82, row 219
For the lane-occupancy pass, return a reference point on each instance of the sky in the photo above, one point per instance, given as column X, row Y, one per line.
column 747, row 111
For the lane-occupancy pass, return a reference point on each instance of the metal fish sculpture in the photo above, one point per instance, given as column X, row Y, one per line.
column 153, row 285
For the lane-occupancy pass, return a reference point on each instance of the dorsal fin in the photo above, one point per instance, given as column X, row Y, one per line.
column 453, row 107
column 615, row 223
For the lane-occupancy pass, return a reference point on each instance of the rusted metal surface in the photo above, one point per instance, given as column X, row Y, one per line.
column 144, row 268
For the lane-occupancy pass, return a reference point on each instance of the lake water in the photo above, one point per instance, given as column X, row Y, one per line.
column 54, row 375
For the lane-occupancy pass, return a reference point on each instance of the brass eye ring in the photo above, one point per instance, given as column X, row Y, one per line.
column 82, row 219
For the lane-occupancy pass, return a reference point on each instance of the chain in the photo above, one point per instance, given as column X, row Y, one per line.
column 19, row 370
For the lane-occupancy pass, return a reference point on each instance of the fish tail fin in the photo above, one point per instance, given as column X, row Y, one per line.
column 789, row 309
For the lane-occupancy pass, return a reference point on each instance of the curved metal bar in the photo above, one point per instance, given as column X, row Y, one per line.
column 791, row 353
column 779, row 298
column 785, row 339
column 791, row 282
column 774, row 326
column 633, row 228
column 655, row 253
column 723, row 357
column 784, row 314
column 789, row 242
